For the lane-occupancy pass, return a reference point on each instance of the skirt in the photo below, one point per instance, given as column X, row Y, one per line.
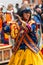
column 26, row 57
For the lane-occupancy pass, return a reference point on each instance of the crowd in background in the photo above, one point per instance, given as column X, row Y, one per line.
column 5, row 20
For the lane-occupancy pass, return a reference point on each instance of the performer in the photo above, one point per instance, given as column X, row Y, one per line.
column 1, row 21
column 8, row 18
column 26, row 49
column 6, row 26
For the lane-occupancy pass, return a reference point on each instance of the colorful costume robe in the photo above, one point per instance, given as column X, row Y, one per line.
column 6, row 27
column 25, row 55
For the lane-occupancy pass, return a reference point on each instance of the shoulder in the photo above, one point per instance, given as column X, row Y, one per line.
column 31, row 22
column 36, row 18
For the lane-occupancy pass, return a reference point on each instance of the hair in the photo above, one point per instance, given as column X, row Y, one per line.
column 25, row 11
column 9, row 6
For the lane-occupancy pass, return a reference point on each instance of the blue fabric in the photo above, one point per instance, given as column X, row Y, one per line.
column 22, row 46
column 6, row 28
column 32, row 36
column 33, row 27
column 2, row 36
column 37, row 18
column 42, row 21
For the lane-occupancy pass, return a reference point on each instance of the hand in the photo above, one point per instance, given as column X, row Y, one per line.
column 23, row 24
column 17, row 15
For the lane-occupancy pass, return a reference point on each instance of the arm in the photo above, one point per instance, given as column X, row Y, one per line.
column 19, row 18
column 31, row 25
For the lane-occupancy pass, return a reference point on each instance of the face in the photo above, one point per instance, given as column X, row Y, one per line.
column 26, row 16
column 42, row 16
column 11, row 8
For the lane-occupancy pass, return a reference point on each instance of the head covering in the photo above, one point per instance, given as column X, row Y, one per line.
column 1, row 5
column 27, row 9
column 24, row 10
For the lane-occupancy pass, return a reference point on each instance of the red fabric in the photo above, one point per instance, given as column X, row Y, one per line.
column 3, row 44
column 0, row 24
column 42, row 50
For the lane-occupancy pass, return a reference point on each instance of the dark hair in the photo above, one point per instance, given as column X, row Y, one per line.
column 26, row 10
column 29, row 17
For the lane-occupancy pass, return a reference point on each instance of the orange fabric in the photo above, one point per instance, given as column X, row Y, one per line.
column 42, row 36
column 0, row 24
column 41, row 51
column 31, row 22
column 14, row 30
column 8, row 17
column 6, row 36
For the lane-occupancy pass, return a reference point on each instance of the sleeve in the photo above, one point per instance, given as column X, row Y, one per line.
column 36, row 19
column 31, row 25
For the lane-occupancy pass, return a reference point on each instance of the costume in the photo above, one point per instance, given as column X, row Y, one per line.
column 38, row 18
column 0, row 28
column 6, row 27
column 27, row 48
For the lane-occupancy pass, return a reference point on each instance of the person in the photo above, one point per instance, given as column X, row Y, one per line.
column 17, row 6
column 1, row 21
column 9, row 14
column 6, row 28
column 26, row 51
column 42, row 22
column 41, row 6
column 37, row 14
column 6, row 24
